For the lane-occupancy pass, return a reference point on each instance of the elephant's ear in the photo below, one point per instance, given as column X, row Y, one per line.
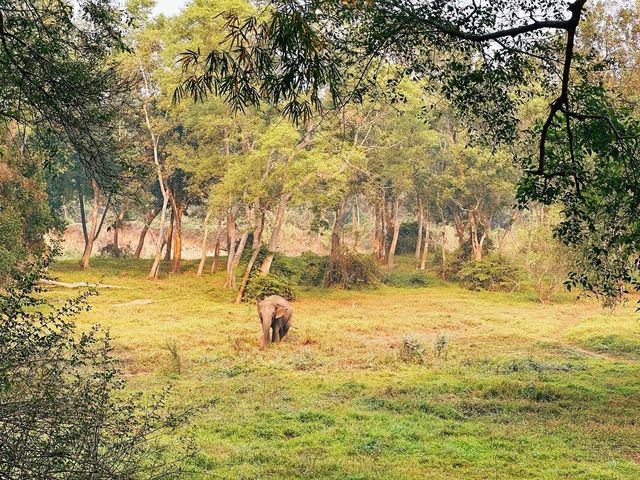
column 281, row 310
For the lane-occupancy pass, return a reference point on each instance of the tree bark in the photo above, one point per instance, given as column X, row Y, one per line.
column 143, row 233
column 231, row 245
column 275, row 234
column 375, row 245
column 396, row 232
column 336, row 231
column 177, row 240
column 420, row 227
column 91, row 235
column 83, row 215
column 425, row 248
column 457, row 220
column 476, row 247
column 444, row 255
column 205, row 234
column 117, row 225
column 216, row 249
column 257, row 242
column 169, row 239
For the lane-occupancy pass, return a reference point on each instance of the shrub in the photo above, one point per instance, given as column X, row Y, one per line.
column 260, row 287
column 110, row 250
column 352, row 270
column 314, row 268
column 405, row 279
column 412, row 350
column 491, row 273
column 545, row 261
column 63, row 413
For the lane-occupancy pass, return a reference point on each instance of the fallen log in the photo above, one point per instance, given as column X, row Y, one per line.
column 55, row 283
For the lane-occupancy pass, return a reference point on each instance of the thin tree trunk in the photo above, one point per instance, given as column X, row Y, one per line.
column 420, row 227
column 83, row 215
column 444, row 255
column 177, row 240
column 425, row 247
column 275, row 234
column 216, row 249
column 457, row 219
column 203, row 258
column 101, row 224
column 257, row 242
column 169, row 239
column 117, row 226
column 375, row 246
column 91, row 235
column 336, row 231
column 143, row 233
column 231, row 245
column 476, row 248
column 396, row 232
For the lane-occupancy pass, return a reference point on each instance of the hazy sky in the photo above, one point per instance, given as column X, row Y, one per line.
column 169, row 7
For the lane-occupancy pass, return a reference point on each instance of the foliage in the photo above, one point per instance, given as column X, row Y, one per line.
column 493, row 272
column 58, row 77
column 352, row 270
column 260, row 287
column 405, row 279
column 544, row 259
column 412, row 350
column 110, row 250
column 25, row 217
column 62, row 408
column 407, row 237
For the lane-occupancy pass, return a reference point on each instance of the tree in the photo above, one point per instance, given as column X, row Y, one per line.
column 63, row 413
column 483, row 58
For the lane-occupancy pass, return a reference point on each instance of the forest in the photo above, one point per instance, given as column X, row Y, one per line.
column 444, row 193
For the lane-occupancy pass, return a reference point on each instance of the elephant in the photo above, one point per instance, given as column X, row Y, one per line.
column 275, row 313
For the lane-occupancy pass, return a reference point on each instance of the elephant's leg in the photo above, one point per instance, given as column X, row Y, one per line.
column 284, row 331
column 276, row 331
column 266, row 326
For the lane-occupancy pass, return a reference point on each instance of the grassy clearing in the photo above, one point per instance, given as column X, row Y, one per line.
column 514, row 389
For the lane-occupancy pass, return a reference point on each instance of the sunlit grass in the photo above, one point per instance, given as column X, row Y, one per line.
column 521, row 390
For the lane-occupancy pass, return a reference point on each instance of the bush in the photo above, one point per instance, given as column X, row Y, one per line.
column 314, row 268
column 260, row 287
column 545, row 261
column 405, row 279
column 491, row 273
column 352, row 270
column 412, row 350
column 110, row 250
column 63, row 413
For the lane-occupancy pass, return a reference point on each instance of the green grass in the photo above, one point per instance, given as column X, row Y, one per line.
column 521, row 390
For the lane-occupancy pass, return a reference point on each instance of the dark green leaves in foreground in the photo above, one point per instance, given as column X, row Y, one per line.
column 62, row 412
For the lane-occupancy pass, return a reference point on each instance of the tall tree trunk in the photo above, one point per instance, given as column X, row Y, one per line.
column 155, row 141
column 117, row 226
column 169, row 239
column 203, row 257
column 382, row 248
column 425, row 247
column 216, row 248
column 375, row 245
column 145, row 228
column 420, row 227
column 177, row 239
column 396, row 232
column 275, row 234
column 231, row 245
column 257, row 242
column 91, row 235
column 476, row 248
column 459, row 225
column 236, row 258
column 336, row 231
column 443, row 251
column 83, row 215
